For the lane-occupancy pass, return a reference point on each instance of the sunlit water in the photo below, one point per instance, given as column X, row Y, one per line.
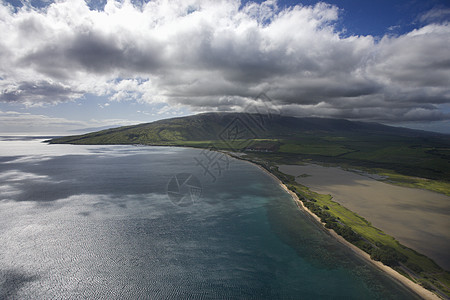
column 96, row 222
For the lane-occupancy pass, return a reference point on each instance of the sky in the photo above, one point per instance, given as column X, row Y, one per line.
column 71, row 66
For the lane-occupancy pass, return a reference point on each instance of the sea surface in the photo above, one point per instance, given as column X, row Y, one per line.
column 137, row 222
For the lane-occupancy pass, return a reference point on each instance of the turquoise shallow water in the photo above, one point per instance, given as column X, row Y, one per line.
column 96, row 222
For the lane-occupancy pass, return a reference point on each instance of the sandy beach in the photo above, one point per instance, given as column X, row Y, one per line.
column 416, row 288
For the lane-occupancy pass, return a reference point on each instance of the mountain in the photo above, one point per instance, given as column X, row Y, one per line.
column 210, row 126
column 403, row 150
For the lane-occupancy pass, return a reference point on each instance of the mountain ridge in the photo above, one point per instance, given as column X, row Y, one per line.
column 208, row 126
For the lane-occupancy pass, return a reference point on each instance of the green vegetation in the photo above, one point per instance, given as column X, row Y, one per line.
column 388, row 255
column 312, row 149
column 438, row 186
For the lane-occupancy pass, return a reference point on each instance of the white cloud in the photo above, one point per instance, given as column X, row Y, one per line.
column 16, row 175
column 214, row 55
column 8, row 190
column 436, row 15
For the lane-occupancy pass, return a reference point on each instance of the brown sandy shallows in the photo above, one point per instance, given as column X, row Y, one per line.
column 417, row 218
column 414, row 287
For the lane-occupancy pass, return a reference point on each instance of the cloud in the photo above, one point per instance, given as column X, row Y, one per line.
column 17, row 176
column 8, row 190
column 38, row 92
column 218, row 55
column 436, row 15
column 13, row 122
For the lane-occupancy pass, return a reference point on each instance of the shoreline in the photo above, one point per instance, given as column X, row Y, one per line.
column 399, row 278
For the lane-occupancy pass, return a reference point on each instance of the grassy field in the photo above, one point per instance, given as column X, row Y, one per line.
column 437, row 186
column 297, row 147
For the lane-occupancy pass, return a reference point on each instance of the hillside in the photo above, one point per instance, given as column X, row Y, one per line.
column 360, row 144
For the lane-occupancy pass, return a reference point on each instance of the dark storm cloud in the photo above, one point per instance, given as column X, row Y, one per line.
column 94, row 53
column 217, row 55
column 38, row 92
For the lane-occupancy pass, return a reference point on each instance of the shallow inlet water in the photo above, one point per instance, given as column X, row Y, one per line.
column 96, row 222
column 417, row 218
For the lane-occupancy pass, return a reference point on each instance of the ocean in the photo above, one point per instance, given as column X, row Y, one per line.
column 139, row 222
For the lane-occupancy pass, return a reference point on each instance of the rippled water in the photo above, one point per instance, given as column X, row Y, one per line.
column 96, row 222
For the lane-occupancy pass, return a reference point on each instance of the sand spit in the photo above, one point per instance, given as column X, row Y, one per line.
column 417, row 218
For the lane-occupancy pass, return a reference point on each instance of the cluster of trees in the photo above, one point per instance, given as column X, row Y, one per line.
column 387, row 255
column 285, row 178
column 332, row 223
column 365, row 246
column 413, row 267
column 345, row 231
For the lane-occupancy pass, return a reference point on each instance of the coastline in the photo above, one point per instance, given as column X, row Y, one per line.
column 412, row 286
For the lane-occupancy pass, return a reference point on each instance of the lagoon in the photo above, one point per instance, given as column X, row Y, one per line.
column 416, row 218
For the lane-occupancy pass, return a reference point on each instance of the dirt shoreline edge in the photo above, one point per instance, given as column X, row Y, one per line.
column 412, row 286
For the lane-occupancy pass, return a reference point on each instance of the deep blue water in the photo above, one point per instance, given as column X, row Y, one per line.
column 97, row 222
